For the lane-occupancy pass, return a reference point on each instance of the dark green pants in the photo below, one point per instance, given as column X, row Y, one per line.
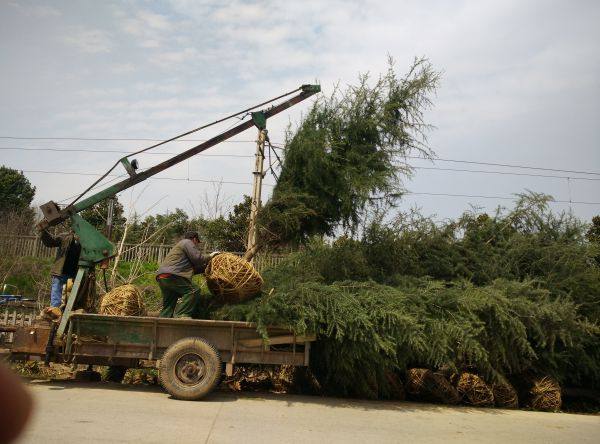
column 192, row 303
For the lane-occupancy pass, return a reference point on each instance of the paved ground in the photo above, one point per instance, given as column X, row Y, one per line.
column 70, row 412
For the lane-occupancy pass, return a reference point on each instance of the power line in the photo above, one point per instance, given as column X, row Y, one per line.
column 497, row 197
column 477, row 196
column 74, row 173
column 84, row 150
column 506, row 165
column 109, row 139
column 437, row 159
column 508, row 173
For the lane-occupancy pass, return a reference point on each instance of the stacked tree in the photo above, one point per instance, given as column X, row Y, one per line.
column 366, row 329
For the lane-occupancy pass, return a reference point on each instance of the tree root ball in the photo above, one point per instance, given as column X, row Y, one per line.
column 232, row 279
column 423, row 384
column 545, row 395
column 474, row 390
column 505, row 395
column 125, row 300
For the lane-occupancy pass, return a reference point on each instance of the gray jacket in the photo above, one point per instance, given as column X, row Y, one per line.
column 184, row 260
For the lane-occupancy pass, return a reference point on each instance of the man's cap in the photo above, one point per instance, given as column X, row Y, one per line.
column 191, row 235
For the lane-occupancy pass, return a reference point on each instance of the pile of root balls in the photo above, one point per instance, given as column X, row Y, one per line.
column 507, row 344
column 469, row 388
column 421, row 385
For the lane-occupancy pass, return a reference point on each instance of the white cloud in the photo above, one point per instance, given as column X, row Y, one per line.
column 149, row 29
column 91, row 41
column 36, row 10
column 123, row 68
column 173, row 58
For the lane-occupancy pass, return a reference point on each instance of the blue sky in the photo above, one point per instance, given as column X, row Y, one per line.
column 521, row 85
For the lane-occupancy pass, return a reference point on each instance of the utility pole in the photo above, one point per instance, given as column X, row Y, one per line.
column 110, row 217
column 256, row 191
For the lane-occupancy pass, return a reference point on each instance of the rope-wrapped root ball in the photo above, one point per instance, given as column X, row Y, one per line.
column 125, row 300
column 474, row 390
column 232, row 279
column 545, row 395
column 423, row 384
column 505, row 395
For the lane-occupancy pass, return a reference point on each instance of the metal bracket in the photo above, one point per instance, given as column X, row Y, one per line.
column 95, row 247
column 311, row 88
column 259, row 119
column 130, row 167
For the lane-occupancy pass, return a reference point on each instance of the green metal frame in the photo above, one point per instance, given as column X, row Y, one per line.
column 260, row 120
column 95, row 248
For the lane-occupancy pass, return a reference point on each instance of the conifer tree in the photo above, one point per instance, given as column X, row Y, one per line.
column 348, row 150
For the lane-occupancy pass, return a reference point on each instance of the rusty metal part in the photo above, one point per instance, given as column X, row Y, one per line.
column 31, row 340
column 190, row 369
column 118, row 337
column 120, row 340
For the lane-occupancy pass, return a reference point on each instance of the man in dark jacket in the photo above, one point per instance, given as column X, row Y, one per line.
column 65, row 264
column 174, row 278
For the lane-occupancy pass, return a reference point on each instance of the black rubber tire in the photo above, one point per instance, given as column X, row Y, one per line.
column 115, row 373
column 183, row 357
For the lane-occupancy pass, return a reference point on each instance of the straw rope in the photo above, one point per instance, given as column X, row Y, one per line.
column 474, row 390
column 505, row 395
column 423, row 384
column 546, row 395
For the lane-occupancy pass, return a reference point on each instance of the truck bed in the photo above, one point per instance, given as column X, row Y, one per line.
column 120, row 340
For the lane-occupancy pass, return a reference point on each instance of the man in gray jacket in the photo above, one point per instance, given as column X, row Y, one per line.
column 174, row 278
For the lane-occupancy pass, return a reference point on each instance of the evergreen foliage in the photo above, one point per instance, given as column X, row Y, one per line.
column 348, row 150
column 502, row 295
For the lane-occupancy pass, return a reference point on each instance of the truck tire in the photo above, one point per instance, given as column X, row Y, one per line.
column 190, row 369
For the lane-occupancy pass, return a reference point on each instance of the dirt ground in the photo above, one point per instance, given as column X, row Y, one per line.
column 68, row 411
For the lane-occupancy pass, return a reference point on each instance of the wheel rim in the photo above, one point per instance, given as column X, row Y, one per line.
column 190, row 369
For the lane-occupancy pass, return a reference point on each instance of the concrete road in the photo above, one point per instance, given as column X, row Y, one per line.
column 72, row 412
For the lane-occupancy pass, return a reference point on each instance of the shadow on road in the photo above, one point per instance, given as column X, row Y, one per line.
column 288, row 400
column 353, row 403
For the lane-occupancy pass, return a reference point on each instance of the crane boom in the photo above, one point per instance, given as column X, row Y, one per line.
column 97, row 249
column 53, row 215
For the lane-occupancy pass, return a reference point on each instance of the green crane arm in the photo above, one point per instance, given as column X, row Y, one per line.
column 53, row 215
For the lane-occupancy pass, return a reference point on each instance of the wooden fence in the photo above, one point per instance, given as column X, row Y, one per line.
column 32, row 246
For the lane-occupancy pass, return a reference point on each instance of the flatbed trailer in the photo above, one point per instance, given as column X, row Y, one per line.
column 190, row 354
